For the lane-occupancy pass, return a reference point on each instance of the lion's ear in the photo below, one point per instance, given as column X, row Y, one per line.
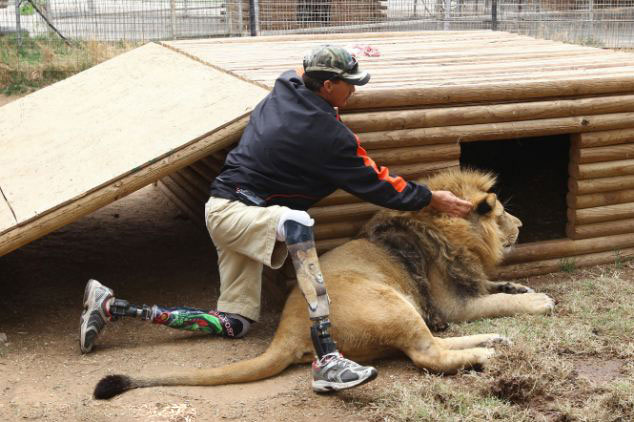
column 487, row 204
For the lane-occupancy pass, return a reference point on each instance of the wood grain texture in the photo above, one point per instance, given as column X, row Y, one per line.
column 110, row 121
column 7, row 220
column 607, row 228
column 554, row 265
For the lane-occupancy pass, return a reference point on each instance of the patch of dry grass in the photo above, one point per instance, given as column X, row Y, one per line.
column 43, row 61
column 575, row 365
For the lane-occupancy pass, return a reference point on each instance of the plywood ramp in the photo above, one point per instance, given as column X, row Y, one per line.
column 81, row 143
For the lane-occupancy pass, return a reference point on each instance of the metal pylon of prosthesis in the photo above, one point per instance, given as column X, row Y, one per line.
column 301, row 248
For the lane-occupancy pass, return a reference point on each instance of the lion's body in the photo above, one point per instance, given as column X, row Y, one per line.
column 408, row 272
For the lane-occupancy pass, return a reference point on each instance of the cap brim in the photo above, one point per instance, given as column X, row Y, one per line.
column 358, row 78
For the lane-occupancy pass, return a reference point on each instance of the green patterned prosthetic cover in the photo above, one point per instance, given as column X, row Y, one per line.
column 192, row 319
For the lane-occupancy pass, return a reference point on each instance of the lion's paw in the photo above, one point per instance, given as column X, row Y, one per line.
column 481, row 356
column 497, row 340
column 539, row 303
column 515, row 288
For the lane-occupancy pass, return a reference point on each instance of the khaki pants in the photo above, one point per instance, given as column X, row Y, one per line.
column 245, row 239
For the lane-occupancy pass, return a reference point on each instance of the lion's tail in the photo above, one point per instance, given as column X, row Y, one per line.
column 273, row 361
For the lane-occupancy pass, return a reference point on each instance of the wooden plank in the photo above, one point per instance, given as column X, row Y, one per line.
column 417, row 154
column 77, row 147
column 602, row 213
column 336, row 213
column 607, row 153
column 325, row 245
column 607, row 228
column 536, row 251
column 598, row 199
column 7, row 220
column 181, row 200
column 408, row 171
column 610, row 137
column 504, row 130
column 23, row 234
column 546, row 266
column 391, row 124
column 604, row 184
column 601, row 169
column 490, row 92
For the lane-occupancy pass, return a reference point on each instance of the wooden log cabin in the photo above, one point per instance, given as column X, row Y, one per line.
column 559, row 115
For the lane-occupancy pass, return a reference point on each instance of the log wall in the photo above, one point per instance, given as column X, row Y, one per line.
column 432, row 91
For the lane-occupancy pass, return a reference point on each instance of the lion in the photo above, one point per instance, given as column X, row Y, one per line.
column 405, row 276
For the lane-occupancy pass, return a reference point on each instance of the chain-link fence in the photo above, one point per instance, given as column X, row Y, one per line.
column 605, row 23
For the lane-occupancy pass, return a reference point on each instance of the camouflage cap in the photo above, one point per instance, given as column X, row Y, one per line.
column 327, row 61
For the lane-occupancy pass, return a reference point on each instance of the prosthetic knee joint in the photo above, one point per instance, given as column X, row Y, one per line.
column 301, row 247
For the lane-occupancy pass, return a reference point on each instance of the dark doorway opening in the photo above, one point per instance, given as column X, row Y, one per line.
column 532, row 180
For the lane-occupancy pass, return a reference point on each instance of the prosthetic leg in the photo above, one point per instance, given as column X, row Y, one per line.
column 301, row 247
column 183, row 318
column 331, row 371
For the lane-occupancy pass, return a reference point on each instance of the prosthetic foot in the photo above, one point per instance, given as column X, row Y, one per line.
column 331, row 371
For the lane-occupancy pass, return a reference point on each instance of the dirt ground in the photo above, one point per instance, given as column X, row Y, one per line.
column 149, row 252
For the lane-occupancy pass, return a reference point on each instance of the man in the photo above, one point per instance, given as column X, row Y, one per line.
column 294, row 152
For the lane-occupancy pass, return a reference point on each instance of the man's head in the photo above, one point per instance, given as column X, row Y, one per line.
column 332, row 72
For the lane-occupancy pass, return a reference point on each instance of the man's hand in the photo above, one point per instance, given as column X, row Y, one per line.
column 447, row 202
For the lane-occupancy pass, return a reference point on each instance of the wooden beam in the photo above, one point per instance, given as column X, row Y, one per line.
column 604, row 184
column 417, row 154
column 548, row 249
column 490, row 92
column 576, row 202
column 181, row 199
column 601, row 169
column 408, row 171
column 599, row 214
column 545, row 266
column 387, row 121
column 495, row 131
column 336, row 213
column 607, row 228
column 609, row 137
column 607, row 153
column 325, row 245
column 338, row 229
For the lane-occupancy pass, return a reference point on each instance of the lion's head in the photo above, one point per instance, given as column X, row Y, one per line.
column 489, row 229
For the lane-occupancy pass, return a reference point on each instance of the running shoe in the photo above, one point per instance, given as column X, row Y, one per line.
column 333, row 372
column 95, row 314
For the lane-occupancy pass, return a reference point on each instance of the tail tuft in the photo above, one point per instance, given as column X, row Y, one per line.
column 112, row 385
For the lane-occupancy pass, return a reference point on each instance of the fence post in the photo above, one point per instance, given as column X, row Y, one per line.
column 254, row 19
column 591, row 17
column 18, row 26
column 173, row 18
column 494, row 15
column 447, row 14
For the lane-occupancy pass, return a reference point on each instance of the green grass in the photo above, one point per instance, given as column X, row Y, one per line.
column 539, row 378
column 41, row 61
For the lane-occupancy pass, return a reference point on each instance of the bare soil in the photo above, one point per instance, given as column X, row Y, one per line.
column 149, row 252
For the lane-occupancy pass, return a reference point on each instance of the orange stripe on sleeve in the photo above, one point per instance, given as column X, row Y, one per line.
column 383, row 173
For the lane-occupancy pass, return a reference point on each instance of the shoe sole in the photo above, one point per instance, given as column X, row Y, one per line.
column 322, row 386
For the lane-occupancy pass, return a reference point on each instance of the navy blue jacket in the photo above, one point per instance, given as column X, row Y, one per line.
column 295, row 151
